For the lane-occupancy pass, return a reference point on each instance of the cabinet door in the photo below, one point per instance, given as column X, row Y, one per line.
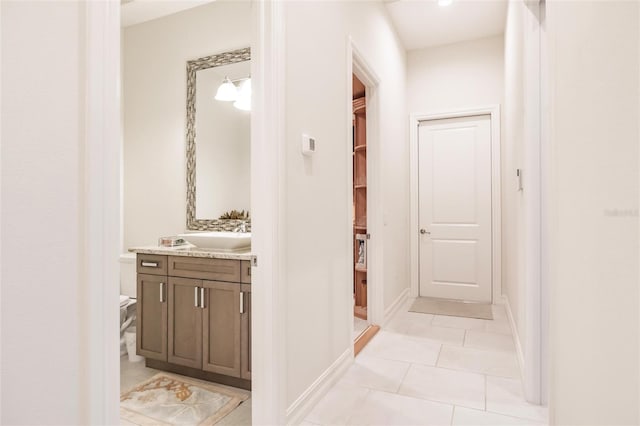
column 221, row 344
column 245, row 333
column 151, row 339
column 185, row 322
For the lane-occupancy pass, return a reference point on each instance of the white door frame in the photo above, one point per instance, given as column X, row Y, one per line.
column 536, row 164
column 103, row 229
column 268, row 198
column 414, row 225
column 358, row 65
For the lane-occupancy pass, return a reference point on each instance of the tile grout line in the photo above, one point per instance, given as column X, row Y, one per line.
column 485, row 392
column 438, row 357
column 479, row 373
column 435, row 401
column 403, row 378
column 529, row 419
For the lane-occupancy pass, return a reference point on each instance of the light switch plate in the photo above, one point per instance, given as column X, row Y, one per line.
column 308, row 145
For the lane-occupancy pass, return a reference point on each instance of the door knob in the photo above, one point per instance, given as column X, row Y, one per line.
column 424, row 231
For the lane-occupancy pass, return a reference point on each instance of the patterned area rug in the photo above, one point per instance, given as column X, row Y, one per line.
column 167, row 399
column 452, row 308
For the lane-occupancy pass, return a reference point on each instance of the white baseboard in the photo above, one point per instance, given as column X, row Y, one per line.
column 310, row 397
column 397, row 304
column 516, row 337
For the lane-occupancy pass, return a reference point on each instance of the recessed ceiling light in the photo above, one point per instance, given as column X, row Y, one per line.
column 444, row 2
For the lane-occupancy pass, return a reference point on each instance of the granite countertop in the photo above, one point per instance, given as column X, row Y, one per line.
column 189, row 250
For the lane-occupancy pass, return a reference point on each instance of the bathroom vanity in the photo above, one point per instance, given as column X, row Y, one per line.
column 194, row 313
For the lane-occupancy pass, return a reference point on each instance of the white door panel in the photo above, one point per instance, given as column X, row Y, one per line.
column 455, row 208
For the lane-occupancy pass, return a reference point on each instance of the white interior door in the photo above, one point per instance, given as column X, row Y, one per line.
column 455, row 208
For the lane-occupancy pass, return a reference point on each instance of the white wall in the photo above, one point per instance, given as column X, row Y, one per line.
column 455, row 76
column 514, row 133
column 317, row 265
column 154, row 86
column 43, row 374
column 594, row 212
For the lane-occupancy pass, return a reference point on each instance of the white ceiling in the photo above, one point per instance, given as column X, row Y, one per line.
column 422, row 23
column 137, row 11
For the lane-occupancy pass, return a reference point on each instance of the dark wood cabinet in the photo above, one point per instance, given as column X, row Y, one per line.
column 199, row 323
column 152, row 317
column 245, row 332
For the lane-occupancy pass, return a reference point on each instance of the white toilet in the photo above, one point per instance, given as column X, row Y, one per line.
column 127, row 295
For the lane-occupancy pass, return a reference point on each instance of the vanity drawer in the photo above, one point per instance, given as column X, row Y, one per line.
column 245, row 272
column 151, row 264
column 204, row 268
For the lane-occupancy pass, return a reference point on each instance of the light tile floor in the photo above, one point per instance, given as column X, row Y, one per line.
column 427, row 369
column 132, row 373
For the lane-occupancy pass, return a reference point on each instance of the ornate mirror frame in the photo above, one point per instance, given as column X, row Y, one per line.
column 193, row 66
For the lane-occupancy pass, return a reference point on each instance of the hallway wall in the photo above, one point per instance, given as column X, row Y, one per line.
column 460, row 75
column 595, row 111
column 44, row 369
column 518, row 48
column 317, row 264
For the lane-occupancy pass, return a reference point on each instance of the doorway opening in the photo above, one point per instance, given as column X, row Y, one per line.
column 363, row 331
column 359, row 143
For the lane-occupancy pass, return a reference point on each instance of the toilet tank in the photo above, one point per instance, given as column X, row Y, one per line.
column 128, row 281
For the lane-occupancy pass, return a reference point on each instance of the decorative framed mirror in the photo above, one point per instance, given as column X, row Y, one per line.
column 218, row 137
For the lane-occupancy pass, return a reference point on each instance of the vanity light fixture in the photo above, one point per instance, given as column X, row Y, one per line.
column 244, row 96
column 445, row 2
column 227, row 91
column 240, row 96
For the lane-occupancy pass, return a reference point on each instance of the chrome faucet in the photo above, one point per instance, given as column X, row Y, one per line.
column 241, row 228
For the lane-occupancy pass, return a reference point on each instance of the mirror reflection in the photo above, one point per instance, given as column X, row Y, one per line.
column 222, row 140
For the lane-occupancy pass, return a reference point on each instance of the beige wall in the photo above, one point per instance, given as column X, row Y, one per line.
column 43, row 200
column 460, row 75
column 513, row 150
column 154, row 102
column 317, row 255
column 594, row 212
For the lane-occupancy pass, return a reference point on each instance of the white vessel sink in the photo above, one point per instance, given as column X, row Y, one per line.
column 223, row 241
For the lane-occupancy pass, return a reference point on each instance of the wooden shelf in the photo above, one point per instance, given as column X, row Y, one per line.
column 360, row 269
column 361, row 186
column 359, row 105
column 360, row 148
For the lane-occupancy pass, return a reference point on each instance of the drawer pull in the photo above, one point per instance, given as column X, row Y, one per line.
column 249, row 270
column 149, row 264
column 161, row 292
column 242, row 302
column 202, row 297
column 196, row 301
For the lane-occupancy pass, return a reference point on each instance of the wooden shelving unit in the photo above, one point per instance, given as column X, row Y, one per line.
column 359, row 204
